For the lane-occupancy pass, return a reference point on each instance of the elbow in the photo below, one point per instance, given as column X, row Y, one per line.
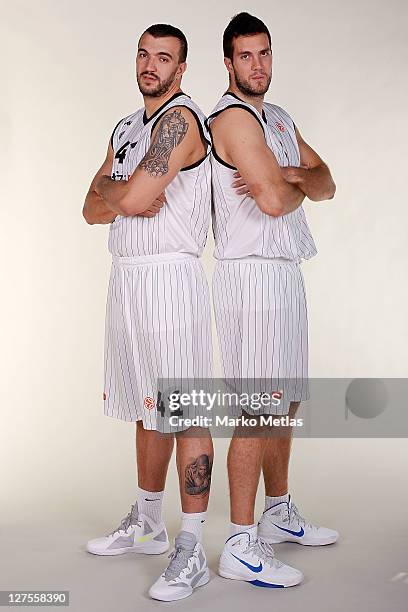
column 328, row 194
column 269, row 202
column 332, row 191
column 273, row 210
column 86, row 216
column 129, row 207
column 322, row 195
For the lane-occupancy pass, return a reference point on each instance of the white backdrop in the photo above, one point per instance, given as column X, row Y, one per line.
column 67, row 77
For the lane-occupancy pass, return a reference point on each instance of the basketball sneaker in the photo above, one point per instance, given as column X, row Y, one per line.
column 136, row 533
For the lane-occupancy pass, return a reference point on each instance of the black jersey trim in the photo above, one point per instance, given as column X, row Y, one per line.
column 200, row 128
column 214, row 152
column 156, row 112
column 114, row 130
column 197, row 163
column 221, row 161
column 230, row 93
column 249, row 110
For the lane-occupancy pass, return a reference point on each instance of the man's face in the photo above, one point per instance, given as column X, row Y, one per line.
column 251, row 66
column 157, row 64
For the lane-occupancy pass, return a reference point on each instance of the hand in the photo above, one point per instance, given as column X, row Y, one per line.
column 294, row 174
column 240, row 186
column 154, row 208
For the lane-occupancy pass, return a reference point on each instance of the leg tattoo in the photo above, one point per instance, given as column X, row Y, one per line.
column 198, row 476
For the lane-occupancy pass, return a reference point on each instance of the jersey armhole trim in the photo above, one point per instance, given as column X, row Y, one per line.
column 114, row 130
column 249, row 110
column 212, row 116
column 221, row 161
column 200, row 129
column 197, row 163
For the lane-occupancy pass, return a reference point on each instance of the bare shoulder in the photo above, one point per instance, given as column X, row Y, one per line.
column 177, row 122
column 236, row 123
column 235, row 116
column 237, row 120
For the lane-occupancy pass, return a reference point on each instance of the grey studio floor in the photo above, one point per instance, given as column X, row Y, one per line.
column 356, row 486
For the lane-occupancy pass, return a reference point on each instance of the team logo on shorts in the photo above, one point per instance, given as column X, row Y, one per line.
column 148, row 403
column 104, row 396
column 280, row 126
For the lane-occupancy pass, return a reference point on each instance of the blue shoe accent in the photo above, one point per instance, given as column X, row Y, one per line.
column 299, row 534
column 268, row 585
column 253, row 568
column 278, row 504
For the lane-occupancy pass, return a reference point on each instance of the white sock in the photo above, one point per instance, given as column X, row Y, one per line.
column 272, row 501
column 193, row 523
column 251, row 529
column 150, row 503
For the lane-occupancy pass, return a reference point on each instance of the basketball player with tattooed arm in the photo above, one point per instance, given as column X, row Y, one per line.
column 154, row 188
column 262, row 170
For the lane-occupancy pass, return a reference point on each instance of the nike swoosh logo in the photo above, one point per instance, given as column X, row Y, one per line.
column 145, row 538
column 253, row 568
column 295, row 533
column 151, row 499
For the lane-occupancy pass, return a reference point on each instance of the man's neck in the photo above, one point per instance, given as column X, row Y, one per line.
column 151, row 104
column 256, row 101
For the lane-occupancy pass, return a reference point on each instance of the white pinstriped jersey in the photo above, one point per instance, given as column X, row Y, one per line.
column 240, row 228
column 182, row 224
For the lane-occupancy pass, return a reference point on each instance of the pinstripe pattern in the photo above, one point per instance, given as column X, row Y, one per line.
column 182, row 224
column 240, row 228
column 258, row 286
column 261, row 318
column 158, row 325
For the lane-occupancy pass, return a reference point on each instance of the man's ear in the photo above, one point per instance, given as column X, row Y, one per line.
column 181, row 69
column 228, row 64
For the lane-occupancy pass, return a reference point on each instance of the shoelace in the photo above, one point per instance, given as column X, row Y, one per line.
column 178, row 561
column 294, row 512
column 127, row 521
column 264, row 551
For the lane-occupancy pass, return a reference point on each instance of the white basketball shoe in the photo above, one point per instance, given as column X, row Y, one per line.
column 254, row 561
column 283, row 523
column 136, row 533
column 186, row 571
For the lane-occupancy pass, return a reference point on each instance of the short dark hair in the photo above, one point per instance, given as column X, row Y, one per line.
column 161, row 30
column 242, row 24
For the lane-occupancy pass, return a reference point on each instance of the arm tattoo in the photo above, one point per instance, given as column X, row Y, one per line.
column 171, row 131
column 198, row 476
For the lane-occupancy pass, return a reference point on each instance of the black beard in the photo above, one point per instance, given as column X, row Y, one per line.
column 245, row 88
column 161, row 88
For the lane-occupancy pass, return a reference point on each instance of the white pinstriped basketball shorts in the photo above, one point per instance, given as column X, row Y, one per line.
column 261, row 318
column 158, row 325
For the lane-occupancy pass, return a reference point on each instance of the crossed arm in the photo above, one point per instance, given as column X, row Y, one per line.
column 176, row 142
column 239, row 140
column 313, row 176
